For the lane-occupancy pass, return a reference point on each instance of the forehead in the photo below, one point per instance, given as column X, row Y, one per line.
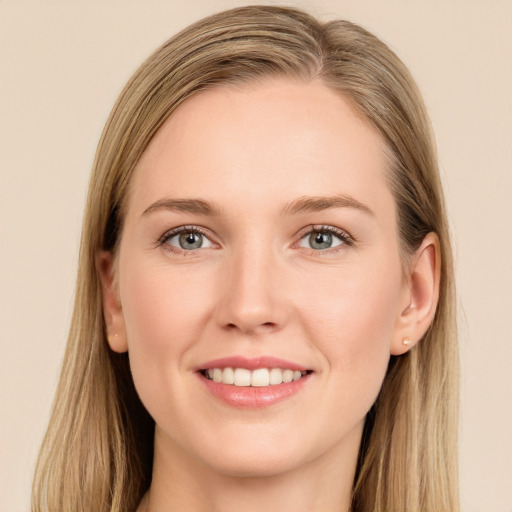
column 269, row 142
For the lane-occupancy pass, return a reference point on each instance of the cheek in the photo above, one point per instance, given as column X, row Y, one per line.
column 355, row 304
column 161, row 304
column 163, row 315
column 352, row 320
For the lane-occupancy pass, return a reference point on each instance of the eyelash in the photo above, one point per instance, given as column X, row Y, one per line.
column 346, row 239
column 162, row 242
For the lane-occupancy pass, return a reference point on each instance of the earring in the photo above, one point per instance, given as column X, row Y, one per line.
column 406, row 341
column 110, row 336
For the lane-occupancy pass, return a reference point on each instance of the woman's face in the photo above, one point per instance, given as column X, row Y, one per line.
column 260, row 237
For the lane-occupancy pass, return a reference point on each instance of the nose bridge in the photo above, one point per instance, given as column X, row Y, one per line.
column 251, row 298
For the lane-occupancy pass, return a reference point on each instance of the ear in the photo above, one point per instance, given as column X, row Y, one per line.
column 421, row 295
column 112, row 310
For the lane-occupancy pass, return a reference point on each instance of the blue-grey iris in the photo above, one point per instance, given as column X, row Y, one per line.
column 190, row 241
column 321, row 240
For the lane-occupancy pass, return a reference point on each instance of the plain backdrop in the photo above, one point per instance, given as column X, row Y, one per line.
column 62, row 65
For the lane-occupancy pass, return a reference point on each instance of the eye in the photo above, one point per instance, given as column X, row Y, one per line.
column 327, row 237
column 186, row 239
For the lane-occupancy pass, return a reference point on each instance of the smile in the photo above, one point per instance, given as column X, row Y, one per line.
column 259, row 377
column 243, row 382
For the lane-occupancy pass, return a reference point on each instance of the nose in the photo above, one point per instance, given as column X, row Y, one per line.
column 252, row 298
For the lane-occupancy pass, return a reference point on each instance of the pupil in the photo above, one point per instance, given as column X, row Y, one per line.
column 190, row 241
column 320, row 240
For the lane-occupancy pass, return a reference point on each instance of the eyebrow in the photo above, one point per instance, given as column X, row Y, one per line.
column 305, row 204
column 198, row 206
column 312, row 204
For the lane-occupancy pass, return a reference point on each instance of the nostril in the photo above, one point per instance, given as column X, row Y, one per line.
column 250, row 328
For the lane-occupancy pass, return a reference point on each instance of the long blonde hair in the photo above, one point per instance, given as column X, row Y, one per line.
column 97, row 453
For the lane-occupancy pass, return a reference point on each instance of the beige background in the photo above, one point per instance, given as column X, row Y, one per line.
column 62, row 64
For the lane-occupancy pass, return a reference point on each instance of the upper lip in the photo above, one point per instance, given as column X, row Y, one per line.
column 252, row 363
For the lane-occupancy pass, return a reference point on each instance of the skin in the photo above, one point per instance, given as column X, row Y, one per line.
column 257, row 287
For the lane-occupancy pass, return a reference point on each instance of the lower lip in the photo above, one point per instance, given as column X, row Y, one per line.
column 252, row 396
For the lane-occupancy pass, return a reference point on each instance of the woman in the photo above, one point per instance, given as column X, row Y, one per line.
column 264, row 311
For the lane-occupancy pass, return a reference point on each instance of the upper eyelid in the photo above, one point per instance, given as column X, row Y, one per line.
column 342, row 233
column 162, row 242
column 346, row 239
column 194, row 228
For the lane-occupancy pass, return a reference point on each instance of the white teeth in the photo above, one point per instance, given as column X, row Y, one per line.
column 287, row 375
column 257, row 378
column 242, row 377
column 276, row 376
column 260, row 377
column 217, row 375
column 228, row 376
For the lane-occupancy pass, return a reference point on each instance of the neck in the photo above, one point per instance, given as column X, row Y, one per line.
column 181, row 482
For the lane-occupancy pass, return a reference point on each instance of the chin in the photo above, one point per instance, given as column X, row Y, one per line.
column 254, row 465
column 258, row 455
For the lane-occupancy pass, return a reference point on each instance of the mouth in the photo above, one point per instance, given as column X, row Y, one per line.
column 259, row 377
column 253, row 383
